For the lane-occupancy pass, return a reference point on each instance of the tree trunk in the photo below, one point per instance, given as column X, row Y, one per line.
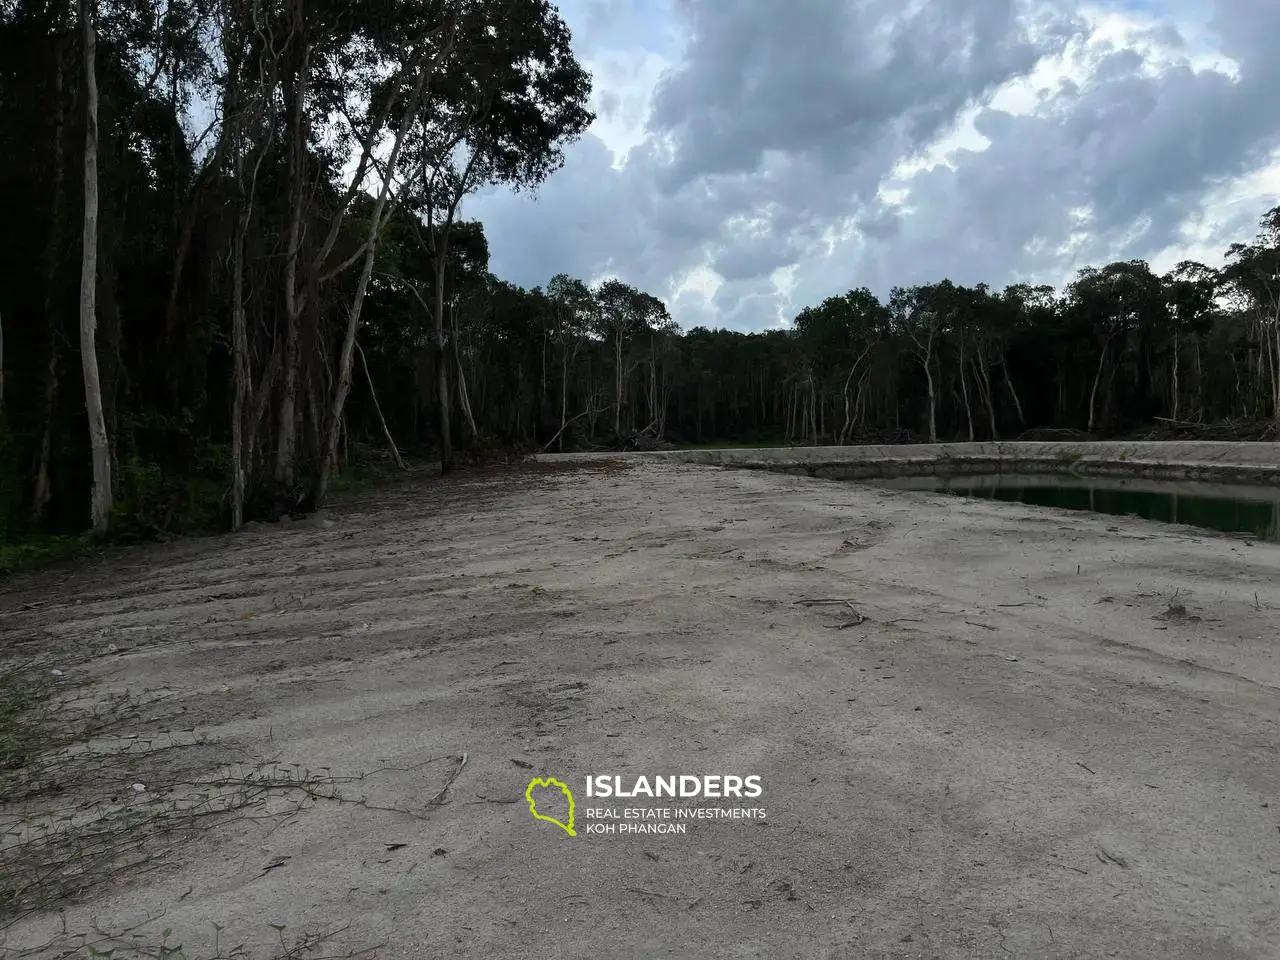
column 933, row 401
column 847, row 429
column 924, row 356
column 257, row 403
column 617, row 383
column 43, row 488
column 1275, row 376
column 984, row 373
column 464, row 400
column 287, row 428
column 43, row 492
column 564, row 395
column 239, row 374
column 442, row 369
column 1097, row 378
column 964, row 390
column 241, row 453
column 99, row 446
column 1017, row 404
column 346, row 358
column 373, row 395
column 1200, row 408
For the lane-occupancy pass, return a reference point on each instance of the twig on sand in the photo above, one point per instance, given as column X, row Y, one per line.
column 439, row 797
column 1107, row 856
column 984, row 626
column 857, row 620
column 651, row 893
column 1085, row 766
column 1068, row 866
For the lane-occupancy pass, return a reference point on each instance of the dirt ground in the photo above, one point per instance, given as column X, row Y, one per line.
column 1028, row 733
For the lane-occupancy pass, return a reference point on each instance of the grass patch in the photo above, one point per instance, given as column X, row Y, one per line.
column 364, row 474
column 36, row 551
column 29, row 552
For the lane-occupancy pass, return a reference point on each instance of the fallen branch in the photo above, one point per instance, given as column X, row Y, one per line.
column 386, row 431
column 564, row 425
column 439, row 797
column 858, row 619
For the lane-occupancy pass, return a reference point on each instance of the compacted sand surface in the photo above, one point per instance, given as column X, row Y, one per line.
column 1004, row 732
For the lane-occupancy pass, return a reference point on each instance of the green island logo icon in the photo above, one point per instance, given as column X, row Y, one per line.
column 552, row 783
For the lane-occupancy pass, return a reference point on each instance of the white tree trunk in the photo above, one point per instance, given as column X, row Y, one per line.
column 99, row 445
column 1097, row 377
column 377, row 408
column 464, row 398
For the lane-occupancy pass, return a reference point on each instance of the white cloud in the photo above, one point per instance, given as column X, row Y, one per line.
column 996, row 140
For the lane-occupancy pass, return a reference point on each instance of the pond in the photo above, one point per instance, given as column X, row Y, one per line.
column 1227, row 509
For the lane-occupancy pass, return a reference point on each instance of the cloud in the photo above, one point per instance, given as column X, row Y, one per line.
column 754, row 156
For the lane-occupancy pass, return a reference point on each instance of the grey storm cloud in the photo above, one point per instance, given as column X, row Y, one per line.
column 828, row 79
column 784, row 118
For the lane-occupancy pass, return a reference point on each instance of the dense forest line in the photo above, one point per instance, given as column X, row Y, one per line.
column 232, row 261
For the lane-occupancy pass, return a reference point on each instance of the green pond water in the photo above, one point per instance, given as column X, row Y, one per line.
column 1229, row 509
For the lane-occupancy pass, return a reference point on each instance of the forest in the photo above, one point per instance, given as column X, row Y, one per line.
column 233, row 267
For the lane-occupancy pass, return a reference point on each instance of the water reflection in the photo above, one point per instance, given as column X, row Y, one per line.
column 1230, row 509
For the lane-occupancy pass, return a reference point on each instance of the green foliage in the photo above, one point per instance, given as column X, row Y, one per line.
column 34, row 551
column 150, row 500
column 364, row 469
column 10, row 484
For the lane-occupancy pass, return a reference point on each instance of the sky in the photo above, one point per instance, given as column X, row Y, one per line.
column 752, row 157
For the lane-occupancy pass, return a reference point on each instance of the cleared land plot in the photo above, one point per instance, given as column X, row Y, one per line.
column 1026, row 733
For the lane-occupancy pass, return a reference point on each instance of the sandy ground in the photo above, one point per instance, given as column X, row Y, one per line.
column 1018, row 751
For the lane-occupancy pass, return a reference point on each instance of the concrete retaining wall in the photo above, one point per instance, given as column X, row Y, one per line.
column 1209, row 461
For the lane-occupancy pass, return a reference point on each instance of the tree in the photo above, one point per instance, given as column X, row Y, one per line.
column 624, row 315
column 1190, row 291
column 99, row 443
column 430, row 56
column 574, row 311
column 1114, row 302
column 923, row 313
column 503, row 116
column 1252, row 278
